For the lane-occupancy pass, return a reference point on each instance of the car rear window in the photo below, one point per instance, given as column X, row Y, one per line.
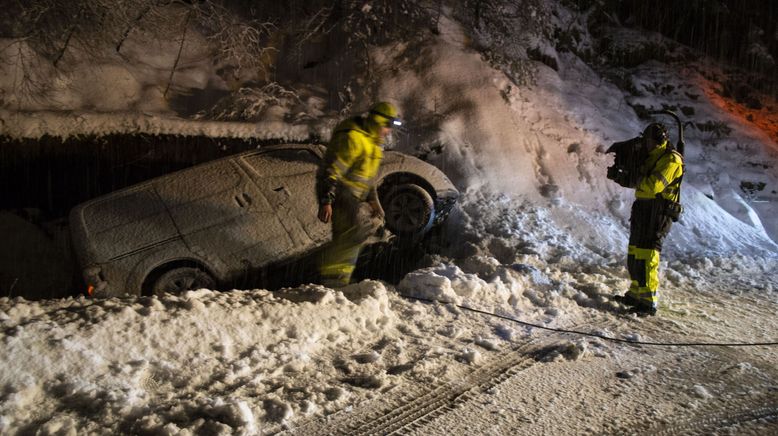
column 123, row 209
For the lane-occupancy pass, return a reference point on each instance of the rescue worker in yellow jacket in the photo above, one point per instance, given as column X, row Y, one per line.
column 346, row 183
column 655, row 208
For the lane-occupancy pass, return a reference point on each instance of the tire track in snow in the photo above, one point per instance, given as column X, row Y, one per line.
column 748, row 413
column 417, row 405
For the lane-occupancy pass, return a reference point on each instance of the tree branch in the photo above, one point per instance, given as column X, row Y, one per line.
column 65, row 46
column 132, row 26
column 178, row 56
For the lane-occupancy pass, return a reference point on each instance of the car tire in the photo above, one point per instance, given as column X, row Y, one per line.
column 409, row 210
column 182, row 279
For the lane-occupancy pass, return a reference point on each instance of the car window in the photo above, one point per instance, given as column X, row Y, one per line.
column 122, row 209
column 283, row 163
column 198, row 182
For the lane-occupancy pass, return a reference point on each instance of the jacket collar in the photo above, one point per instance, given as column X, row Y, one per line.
column 361, row 125
column 658, row 151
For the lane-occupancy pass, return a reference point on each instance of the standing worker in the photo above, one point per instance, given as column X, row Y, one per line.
column 655, row 208
column 346, row 182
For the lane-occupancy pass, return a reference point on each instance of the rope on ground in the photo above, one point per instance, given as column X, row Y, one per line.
column 607, row 338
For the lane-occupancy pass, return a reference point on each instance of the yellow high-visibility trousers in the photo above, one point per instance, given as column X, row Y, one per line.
column 649, row 226
column 350, row 230
column 643, row 266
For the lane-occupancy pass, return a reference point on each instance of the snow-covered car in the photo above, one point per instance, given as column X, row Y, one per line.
column 210, row 224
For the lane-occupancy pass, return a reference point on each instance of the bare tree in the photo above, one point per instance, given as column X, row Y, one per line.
column 51, row 28
column 243, row 45
column 244, row 37
column 504, row 31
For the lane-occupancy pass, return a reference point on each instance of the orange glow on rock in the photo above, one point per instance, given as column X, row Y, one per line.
column 766, row 119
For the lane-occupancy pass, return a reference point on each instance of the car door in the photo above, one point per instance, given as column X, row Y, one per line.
column 287, row 177
column 221, row 213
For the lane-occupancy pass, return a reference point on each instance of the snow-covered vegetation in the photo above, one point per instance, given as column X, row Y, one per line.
column 515, row 102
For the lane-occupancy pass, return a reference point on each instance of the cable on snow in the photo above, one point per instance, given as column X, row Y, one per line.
column 607, row 338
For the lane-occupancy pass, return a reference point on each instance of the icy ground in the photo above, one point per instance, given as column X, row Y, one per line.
column 539, row 235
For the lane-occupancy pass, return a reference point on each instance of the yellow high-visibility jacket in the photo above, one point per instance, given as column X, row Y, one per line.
column 662, row 169
column 352, row 161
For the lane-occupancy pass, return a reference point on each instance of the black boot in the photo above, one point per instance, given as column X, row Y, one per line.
column 627, row 299
column 642, row 310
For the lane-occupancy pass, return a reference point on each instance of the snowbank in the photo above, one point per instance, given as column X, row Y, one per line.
column 177, row 363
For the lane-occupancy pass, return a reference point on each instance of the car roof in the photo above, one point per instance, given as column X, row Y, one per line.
column 317, row 149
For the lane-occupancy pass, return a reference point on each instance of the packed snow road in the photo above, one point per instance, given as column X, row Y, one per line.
column 544, row 386
column 415, row 406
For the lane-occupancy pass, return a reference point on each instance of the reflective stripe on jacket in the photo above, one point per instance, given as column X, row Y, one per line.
column 352, row 160
column 662, row 168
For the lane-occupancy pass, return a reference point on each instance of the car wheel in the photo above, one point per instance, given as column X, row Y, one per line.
column 182, row 279
column 409, row 210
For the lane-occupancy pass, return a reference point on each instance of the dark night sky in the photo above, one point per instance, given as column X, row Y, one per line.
column 721, row 28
